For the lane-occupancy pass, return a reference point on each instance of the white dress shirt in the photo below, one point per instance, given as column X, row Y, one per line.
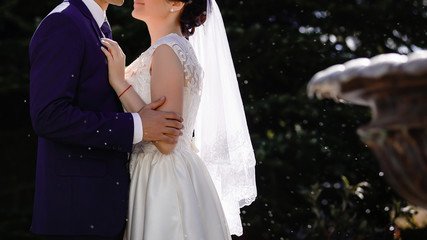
column 100, row 16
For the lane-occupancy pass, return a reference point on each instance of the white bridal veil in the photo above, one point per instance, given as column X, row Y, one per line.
column 221, row 133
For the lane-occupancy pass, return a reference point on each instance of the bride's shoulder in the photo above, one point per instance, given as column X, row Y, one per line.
column 173, row 40
column 180, row 45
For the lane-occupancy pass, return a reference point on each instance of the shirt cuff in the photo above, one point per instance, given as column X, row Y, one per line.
column 137, row 128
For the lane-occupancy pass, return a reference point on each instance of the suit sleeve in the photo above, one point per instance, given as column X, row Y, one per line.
column 56, row 55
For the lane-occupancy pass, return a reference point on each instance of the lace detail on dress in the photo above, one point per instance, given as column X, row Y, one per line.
column 192, row 71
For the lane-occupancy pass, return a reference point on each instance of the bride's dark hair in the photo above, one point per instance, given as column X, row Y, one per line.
column 193, row 15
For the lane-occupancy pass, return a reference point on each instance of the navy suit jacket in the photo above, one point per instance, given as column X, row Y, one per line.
column 84, row 136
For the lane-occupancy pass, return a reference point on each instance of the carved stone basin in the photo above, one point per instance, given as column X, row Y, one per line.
column 395, row 88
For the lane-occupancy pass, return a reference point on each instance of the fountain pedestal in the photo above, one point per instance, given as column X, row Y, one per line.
column 395, row 88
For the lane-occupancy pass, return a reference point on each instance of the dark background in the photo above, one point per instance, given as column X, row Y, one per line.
column 309, row 157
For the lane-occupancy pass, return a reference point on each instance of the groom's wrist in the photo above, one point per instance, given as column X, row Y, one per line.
column 137, row 128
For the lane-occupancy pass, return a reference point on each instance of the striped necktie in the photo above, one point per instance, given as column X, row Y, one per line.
column 106, row 30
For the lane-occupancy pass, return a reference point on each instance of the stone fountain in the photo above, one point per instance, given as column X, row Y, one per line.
column 395, row 88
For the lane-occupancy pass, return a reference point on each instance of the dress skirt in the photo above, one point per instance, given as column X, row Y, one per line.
column 172, row 197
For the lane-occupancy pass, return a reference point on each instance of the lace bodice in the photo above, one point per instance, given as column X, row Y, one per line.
column 138, row 74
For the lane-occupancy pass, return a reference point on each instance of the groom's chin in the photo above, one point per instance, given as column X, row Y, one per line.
column 116, row 2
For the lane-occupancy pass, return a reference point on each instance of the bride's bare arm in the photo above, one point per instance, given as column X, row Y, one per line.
column 157, row 125
column 167, row 79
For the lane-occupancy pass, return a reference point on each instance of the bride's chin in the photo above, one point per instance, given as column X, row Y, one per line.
column 135, row 15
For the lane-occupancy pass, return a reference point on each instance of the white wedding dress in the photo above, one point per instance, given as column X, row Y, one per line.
column 172, row 196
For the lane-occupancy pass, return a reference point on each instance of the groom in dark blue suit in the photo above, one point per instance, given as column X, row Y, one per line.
column 84, row 136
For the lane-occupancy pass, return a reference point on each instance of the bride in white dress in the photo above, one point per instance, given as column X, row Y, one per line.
column 172, row 194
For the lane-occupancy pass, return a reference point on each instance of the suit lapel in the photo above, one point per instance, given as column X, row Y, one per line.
column 85, row 11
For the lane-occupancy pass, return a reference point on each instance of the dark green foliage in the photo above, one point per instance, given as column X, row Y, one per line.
column 310, row 159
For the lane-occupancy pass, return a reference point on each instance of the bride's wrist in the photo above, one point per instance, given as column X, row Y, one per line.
column 120, row 86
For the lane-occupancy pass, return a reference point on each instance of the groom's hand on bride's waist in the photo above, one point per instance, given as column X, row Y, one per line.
column 159, row 125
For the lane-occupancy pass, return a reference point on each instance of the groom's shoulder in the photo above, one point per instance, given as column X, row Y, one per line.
column 65, row 15
column 65, row 9
column 64, row 12
column 63, row 21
